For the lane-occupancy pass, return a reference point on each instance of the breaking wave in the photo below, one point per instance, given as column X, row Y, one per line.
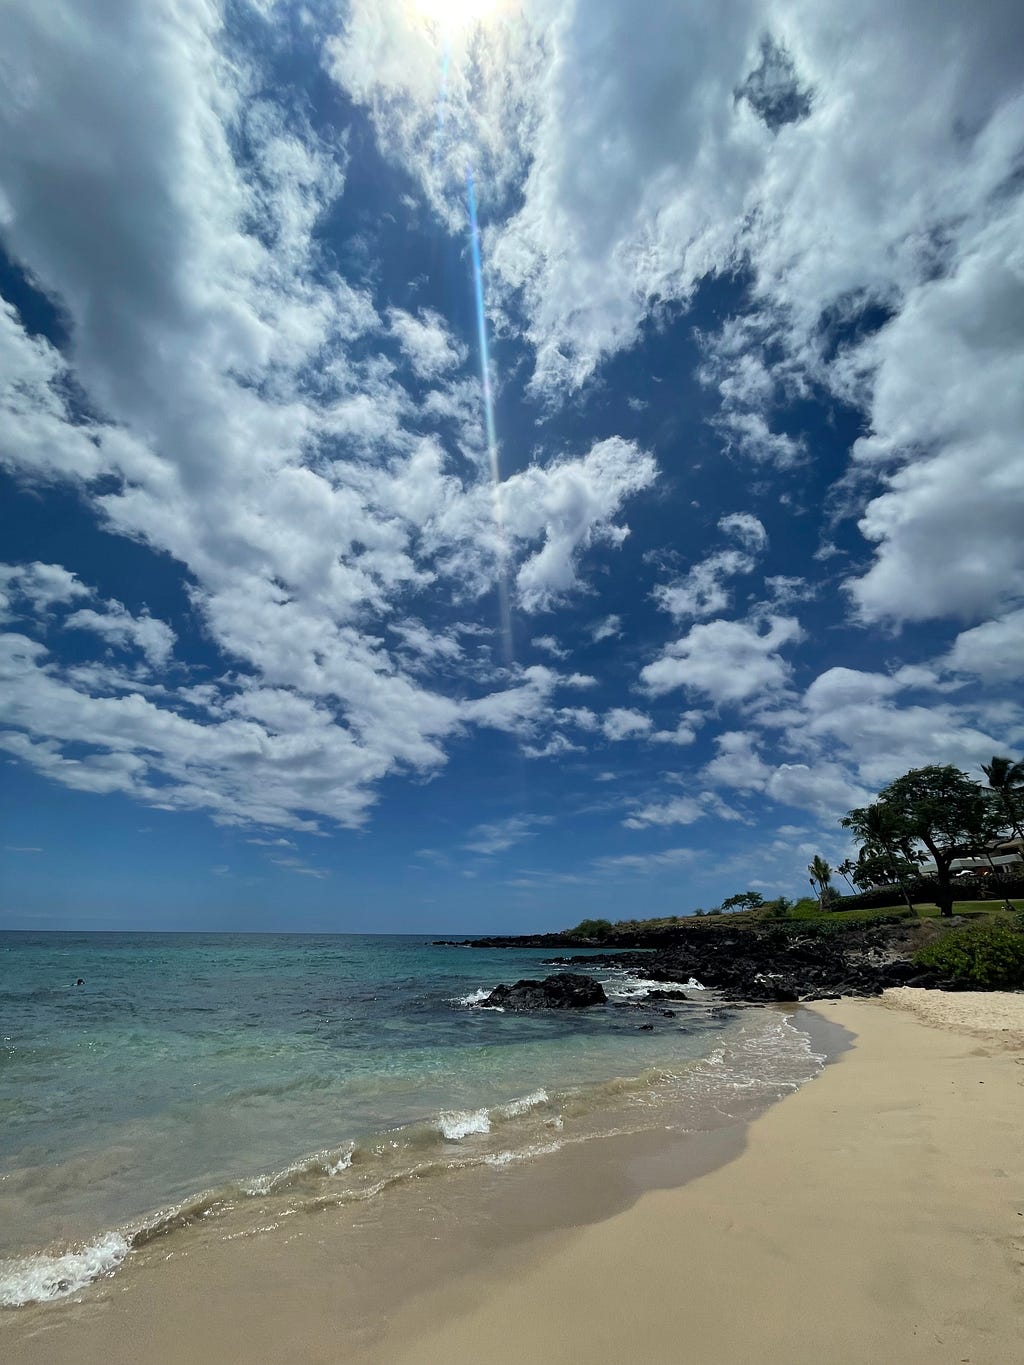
column 762, row 1059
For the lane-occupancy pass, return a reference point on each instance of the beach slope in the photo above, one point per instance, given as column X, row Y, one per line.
column 875, row 1216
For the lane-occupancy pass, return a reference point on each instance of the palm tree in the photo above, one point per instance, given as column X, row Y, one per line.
column 1005, row 780
column 821, row 877
column 846, row 870
column 877, row 831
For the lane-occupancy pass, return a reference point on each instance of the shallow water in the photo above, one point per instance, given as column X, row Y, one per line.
column 194, row 1074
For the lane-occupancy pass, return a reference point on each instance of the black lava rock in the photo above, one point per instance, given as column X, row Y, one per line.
column 564, row 991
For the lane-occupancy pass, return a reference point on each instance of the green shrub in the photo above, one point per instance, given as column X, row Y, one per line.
column 592, row 928
column 807, row 907
column 989, row 956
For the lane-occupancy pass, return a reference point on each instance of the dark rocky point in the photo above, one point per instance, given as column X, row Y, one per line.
column 752, row 964
column 564, row 991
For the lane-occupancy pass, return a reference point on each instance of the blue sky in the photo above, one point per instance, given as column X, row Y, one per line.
column 294, row 637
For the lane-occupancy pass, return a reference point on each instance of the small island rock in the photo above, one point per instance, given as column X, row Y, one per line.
column 563, row 991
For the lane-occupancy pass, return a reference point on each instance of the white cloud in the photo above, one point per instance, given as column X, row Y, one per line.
column 427, row 645
column 572, row 505
column 606, row 629
column 761, row 135
column 430, row 348
column 642, row 863
column 786, row 589
column 680, row 810
column 624, row 723
column 549, row 645
column 704, row 590
column 40, row 586
column 119, row 627
column 301, row 868
column 993, row 651
column 748, row 530
column 254, row 430
column 738, row 763
column 37, row 434
column 727, row 661
column 499, row 835
column 685, row 731
column 554, row 747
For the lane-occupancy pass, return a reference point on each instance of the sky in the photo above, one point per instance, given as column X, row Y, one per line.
column 468, row 465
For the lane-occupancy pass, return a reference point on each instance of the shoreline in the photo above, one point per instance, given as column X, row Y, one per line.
column 869, row 1216
column 362, row 1261
column 875, row 1215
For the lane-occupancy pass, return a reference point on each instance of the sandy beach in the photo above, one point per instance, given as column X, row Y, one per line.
column 875, row 1215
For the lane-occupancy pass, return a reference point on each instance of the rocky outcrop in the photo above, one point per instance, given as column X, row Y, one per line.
column 762, row 963
column 563, row 991
column 763, row 966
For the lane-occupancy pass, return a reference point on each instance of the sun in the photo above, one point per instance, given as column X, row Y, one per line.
column 454, row 15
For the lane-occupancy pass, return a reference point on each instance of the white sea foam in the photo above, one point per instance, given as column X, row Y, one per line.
column 343, row 1162
column 636, row 987
column 473, row 998
column 456, row 1124
column 41, row 1278
column 524, row 1104
column 506, row 1158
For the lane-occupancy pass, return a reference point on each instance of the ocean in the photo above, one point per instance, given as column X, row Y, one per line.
column 235, row 1079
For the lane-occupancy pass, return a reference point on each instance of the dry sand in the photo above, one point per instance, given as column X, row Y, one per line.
column 875, row 1218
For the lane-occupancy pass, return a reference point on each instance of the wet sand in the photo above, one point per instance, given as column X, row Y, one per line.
column 877, row 1215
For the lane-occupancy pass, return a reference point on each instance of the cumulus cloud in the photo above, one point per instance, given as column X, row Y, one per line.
column 427, row 342
column 850, row 732
column 571, row 505
column 309, row 449
column 887, row 271
column 624, row 723
column 226, row 399
column 727, row 661
column 993, row 651
column 680, row 810
column 683, row 733
column 119, row 627
column 704, row 591
column 36, row 587
column 549, row 645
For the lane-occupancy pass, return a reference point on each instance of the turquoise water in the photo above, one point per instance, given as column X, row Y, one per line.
column 187, row 1061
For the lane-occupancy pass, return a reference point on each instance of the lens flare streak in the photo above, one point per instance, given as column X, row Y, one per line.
column 492, row 439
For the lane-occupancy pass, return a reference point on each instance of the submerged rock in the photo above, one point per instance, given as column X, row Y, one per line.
column 563, row 991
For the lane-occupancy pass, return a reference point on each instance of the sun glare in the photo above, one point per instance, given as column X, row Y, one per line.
column 453, row 15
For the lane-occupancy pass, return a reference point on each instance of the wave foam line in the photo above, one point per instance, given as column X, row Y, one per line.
column 42, row 1278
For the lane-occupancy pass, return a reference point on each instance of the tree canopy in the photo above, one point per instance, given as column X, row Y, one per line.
column 936, row 811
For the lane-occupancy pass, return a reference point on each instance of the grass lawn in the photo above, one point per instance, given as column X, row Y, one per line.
column 926, row 910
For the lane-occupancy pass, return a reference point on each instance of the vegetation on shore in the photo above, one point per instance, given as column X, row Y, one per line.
column 936, row 813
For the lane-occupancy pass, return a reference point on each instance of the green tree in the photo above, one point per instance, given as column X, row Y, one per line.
column 820, row 878
column 592, row 928
column 937, row 807
column 744, row 900
column 885, row 852
column 847, row 869
column 1006, row 783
